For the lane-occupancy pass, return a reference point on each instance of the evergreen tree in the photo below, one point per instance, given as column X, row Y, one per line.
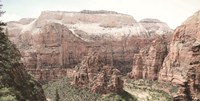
column 57, row 96
column 1, row 23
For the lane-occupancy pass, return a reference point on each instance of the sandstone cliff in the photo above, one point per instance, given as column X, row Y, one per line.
column 155, row 27
column 147, row 64
column 100, row 78
column 181, row 65
column 15, row 83
column 46, row 50
column 58, row 40
column 99, row 24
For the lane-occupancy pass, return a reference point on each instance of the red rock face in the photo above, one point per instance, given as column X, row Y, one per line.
column 182, row 65
column 93, row 74
column 49, row 51
column 147, row 64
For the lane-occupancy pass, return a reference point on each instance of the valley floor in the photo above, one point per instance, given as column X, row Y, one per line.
column 139, row 90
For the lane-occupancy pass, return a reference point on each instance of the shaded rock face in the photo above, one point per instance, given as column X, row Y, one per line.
column 15, row 83
column 182, row 64
column 155, row 27
column 92, row 73
column 147, row 64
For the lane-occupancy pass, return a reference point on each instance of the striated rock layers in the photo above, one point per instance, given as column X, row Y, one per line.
column 57, row 40
column 182, row 65
column 155, row 27
column 47, row 50
column 147, row 64
column 87, row 25
column 100, row 78
column 15, row 83
column 94, row 24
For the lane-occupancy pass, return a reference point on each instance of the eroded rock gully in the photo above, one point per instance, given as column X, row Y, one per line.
column 49, row 51
column 181, row 66
column 56, row 40
column 147, row 64
column 100, row 78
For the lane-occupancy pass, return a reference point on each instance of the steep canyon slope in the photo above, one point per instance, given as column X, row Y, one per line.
column 15, row 83
column 181, row 65
column 177, row 63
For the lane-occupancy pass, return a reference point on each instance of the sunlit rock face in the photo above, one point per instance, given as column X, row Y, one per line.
column 155, row 27
column 182, row 64
column 147, row 64
column 94, row 23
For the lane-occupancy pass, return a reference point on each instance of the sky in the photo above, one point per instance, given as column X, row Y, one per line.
column 173, row 12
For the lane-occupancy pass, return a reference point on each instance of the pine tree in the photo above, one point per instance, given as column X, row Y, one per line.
column 57, row 96
column 1, row 23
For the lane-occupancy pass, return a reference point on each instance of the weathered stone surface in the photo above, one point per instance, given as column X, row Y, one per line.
column 94, row 23
column 155, row 27
column 51, row 48
column 57, row 39
column 182, row 65
column 147, row 64
column 195, row 18
column 92, row 73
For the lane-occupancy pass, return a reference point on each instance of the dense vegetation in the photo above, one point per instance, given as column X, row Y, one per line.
column 8, row 57
column 68, row 92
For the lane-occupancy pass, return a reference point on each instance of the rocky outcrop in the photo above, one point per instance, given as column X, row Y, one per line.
column 155, row 27
column 96, row 76
column 195, row 18
column 182, row 65
column 98, row 12
column 57, row 40
column 102, row 24
column 147, row 64
column 47, row 51
column 95, row 23
column 15, row 83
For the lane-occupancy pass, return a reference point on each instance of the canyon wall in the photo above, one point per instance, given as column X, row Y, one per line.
column 147, row 64
column 181, row 66
column 177, row 64
column 92, row 73
column 58, row 40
